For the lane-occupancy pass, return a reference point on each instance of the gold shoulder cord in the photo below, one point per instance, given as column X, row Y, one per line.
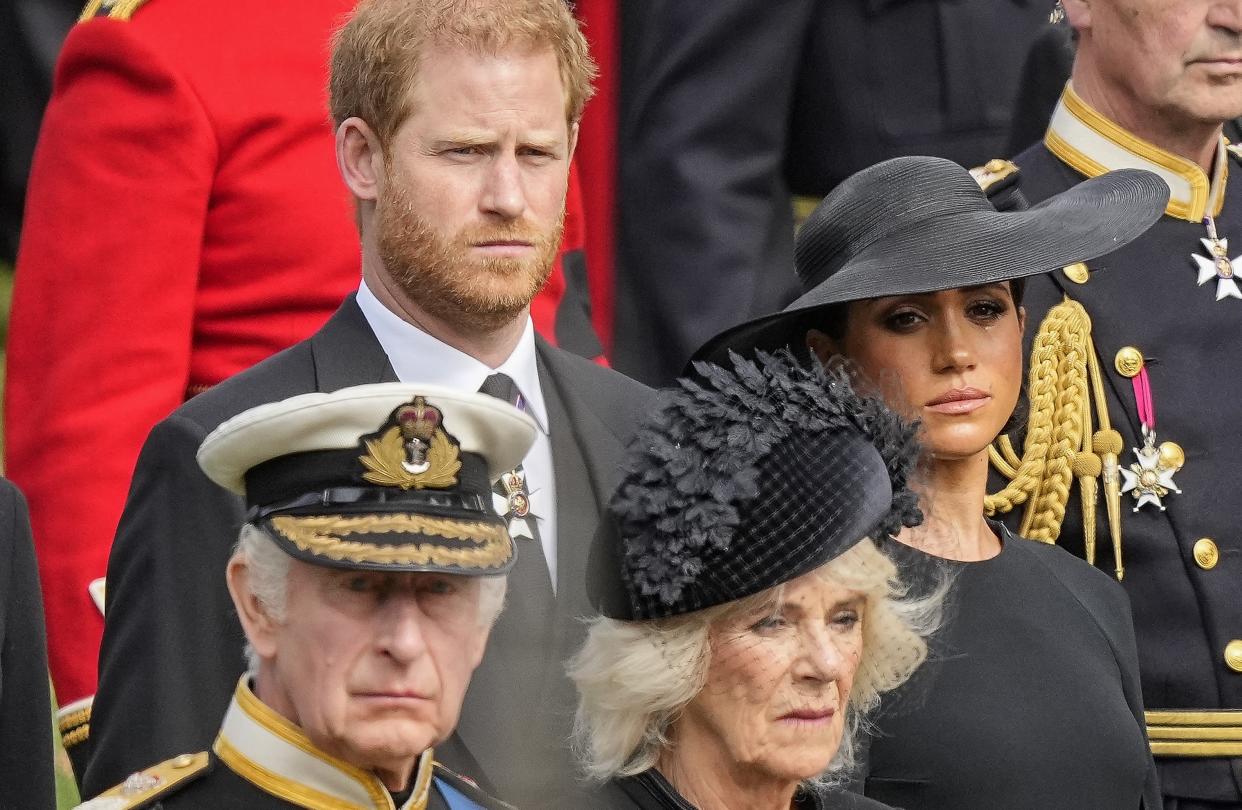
column 1060, row 445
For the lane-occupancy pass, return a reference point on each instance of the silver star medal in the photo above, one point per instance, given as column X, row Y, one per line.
column 1149, row 480
column 515, row 504
column 1217, row 264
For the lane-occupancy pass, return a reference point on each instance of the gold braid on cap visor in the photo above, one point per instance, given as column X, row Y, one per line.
column 323, row 535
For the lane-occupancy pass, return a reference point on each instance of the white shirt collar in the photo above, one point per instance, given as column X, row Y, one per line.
column 418, row 357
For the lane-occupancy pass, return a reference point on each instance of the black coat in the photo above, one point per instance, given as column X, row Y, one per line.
column 172, row 647
column 1033, row 640
column 26, row 757
column 651, row 791
column 729, row 107
column 1145, row 295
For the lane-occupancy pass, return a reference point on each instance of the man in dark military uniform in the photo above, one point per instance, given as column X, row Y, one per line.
column 1131, row 449
column 367, row 577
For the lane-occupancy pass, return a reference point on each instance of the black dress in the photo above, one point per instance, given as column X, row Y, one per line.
column 1029, row 699
column 649, row 790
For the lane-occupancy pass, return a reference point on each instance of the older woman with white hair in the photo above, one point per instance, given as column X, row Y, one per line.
column 749, row 620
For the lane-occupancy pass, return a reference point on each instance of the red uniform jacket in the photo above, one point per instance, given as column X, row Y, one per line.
column 184, row 220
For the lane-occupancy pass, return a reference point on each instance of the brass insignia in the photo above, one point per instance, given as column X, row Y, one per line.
column 416, row 454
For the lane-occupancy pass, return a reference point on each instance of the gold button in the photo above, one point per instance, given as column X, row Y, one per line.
column 1172, row 456
column 183, row 761
column 997, row 165
column 1206, row 554
column 1076, row 272
column 1233, row 655
column 1129, row 361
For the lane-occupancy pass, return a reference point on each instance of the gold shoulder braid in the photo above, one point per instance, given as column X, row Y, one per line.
column 1060, row 445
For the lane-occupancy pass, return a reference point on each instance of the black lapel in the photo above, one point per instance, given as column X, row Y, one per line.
column 346, row 351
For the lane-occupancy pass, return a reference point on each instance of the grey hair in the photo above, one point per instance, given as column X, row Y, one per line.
column 268, row 567
column 634, row 678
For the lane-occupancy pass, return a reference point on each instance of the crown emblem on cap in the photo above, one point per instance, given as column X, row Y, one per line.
column 415, row 452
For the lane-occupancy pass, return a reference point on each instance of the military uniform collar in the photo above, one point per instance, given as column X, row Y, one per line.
column 273, row 754
column 1091, row 144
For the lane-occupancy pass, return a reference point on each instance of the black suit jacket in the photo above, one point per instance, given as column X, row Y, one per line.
column 172, row 646
column 26, row 778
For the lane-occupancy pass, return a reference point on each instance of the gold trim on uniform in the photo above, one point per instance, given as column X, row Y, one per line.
column 249, row 743
column 74, row 722
column 322, row 535
column 112, row 9
column 142, row 787
column 1092, row 145
column 1190, row 733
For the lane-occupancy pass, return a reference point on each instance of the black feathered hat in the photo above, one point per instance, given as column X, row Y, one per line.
column 921, row 224
column 748, row 477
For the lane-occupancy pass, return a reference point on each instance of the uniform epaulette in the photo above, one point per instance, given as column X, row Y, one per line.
column 469, row 788
column 112, row 9
column 145, row 786
column 999, row 180
column 993, row 172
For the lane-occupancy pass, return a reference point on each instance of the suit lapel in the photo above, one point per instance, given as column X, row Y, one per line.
column 346, row 351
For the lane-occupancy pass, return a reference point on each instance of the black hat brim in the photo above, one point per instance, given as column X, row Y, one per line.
column 969, row 249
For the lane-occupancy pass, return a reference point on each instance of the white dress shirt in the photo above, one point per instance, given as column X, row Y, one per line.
column 417, row 357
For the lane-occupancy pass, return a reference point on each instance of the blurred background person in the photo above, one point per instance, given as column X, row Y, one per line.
column 26, row 750
column 730, row 110
column 749, row 622
column 916, row 282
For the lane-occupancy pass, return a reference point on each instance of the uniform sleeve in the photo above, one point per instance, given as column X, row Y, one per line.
column 172, row 647
column 702, row 208
column 102, row 311
column 26, row 777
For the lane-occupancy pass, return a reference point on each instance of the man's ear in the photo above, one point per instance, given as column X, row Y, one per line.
column 573, row 138
column 1022, row 320
column 258, row 625
column 359, row 158
column 822, row 346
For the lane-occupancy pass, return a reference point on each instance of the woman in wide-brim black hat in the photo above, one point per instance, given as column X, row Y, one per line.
column 749, row 621
column 912, row 277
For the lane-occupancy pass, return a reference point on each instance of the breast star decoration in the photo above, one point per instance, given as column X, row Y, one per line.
column 1149, row 479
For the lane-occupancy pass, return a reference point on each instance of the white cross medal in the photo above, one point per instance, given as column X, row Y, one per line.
column 1217, row 265
column 514, row 505
column 1151, row 478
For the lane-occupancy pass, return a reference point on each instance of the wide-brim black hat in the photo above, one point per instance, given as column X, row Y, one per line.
column 746, row 479
column 921, row 224
column 388, row 477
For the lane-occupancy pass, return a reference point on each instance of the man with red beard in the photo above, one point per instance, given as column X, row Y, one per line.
column 456, row 122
